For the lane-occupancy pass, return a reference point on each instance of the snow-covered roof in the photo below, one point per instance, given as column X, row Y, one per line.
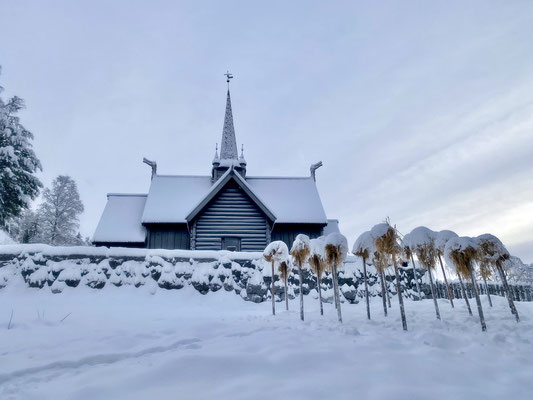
column 172, row 197
column 219, row 184
column 121, row 219
column 292, row 200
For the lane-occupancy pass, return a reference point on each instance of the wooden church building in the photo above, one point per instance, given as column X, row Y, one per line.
column 225, row 210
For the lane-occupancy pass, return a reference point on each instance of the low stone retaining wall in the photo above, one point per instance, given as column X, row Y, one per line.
column 246, row 274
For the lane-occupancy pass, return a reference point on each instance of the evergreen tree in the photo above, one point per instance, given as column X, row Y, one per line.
column 18, row 162
column 59, row 212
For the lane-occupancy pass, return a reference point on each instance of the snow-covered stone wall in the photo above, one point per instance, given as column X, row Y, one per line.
column 246, row 274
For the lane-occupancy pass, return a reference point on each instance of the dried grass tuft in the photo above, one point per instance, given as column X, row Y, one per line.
column 284, row 271
column 462, row 260
column 333, row 254
column 388, row 242
column 317, row 264
column 427, row 255
column 300, row 255
column 379, row 261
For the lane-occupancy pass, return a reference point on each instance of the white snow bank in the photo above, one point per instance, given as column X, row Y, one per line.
column 123, row 251
column 122, row 343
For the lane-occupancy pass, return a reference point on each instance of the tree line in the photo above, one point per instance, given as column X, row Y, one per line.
column 56, row 219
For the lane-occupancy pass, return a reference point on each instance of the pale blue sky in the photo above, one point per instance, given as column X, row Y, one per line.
column 421, row 111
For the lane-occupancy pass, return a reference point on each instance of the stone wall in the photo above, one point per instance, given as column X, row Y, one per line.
column 246, row 274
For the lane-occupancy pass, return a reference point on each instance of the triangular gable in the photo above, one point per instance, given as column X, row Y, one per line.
column 217, row 187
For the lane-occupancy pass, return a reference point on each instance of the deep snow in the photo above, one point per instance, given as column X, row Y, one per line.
column 123, row 343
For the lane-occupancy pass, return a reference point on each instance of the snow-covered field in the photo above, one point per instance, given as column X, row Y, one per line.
column 123, row 343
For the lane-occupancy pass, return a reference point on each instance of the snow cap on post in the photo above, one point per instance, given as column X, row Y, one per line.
column 421, row 241
column 491, row 249
column 336, row 246
column 459, row 253
column 300, row 249
column 385, row 238
column 364, row 246
column 317, row 257
column 276, row 251
column 442, row 238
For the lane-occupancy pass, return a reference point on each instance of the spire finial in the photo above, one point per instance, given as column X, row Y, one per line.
column 228, row 76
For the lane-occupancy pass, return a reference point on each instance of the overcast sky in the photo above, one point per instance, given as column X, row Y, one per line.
column 421, row 111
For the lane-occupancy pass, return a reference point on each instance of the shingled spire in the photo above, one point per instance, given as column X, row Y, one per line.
column 228, row 145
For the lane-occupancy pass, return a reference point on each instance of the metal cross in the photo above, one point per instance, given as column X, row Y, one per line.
column 228, row 76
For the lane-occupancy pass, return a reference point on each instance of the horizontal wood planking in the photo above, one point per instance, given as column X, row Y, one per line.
column 231, row 214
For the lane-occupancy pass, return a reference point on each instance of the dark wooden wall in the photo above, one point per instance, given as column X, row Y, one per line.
column 288, row 232
column 168, row 236
column 120, row 244
column 231, row 214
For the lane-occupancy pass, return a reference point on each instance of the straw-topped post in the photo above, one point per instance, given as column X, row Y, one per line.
column 387, row 242
column 409, row 254
column 275, row 253
column 317, row 263
column 422, row 241
column 364, row 247
column 336, row 249
column 492, row 253
column 284, row 272
column 461, row 252
column 379, row 263
column 440, row 242
column 300, row 253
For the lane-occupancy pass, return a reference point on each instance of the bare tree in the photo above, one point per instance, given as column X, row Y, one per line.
column 59, row 212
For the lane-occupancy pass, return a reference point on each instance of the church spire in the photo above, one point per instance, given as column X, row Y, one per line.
column 228, row 146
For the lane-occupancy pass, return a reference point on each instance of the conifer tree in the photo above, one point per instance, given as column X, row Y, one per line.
column 18, row 162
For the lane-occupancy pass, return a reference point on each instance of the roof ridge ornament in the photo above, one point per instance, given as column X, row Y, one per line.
column 313, row 169
column 228, row 76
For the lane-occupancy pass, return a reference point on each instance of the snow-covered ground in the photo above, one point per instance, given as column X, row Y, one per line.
column 123, row 343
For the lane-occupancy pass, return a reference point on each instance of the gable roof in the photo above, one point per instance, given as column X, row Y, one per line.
column 292, row 200
column 230, row 174
column 120, row 221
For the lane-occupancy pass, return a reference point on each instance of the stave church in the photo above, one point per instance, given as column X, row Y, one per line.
column 226, row 210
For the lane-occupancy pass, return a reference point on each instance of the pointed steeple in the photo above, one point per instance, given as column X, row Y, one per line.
column 228, row 146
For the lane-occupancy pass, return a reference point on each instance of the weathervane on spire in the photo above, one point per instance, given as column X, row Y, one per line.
column 228, row 76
